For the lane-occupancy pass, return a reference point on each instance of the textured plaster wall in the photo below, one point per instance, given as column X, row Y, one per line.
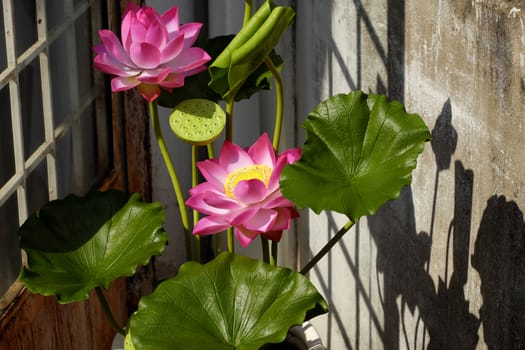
column 442, row 267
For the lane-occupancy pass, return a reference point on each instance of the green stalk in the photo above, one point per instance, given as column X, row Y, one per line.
column 154, row 113
column 107, row 311
column 231, row 242
column 229, row 120
column 218, row 236
column 248, row 7
column 194, row 182
column 265, row 250
column 327, row 247
column 279, row 108
column 273, row 256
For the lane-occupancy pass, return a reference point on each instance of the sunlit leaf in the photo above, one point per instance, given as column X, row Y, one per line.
column 123, row 240
column 360, row 151
column 233, row 302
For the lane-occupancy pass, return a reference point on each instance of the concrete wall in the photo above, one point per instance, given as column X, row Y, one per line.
column 442, row 267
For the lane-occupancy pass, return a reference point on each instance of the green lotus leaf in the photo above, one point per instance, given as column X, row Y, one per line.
column 119, row 241
column 233, row 302
column 359, row 152
column 248, row 49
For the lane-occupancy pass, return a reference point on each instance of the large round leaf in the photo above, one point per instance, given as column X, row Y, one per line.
column 233, row 302
column 360, row 151
column 119, row 241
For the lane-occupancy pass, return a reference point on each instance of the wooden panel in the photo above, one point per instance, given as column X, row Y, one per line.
column 40, row 323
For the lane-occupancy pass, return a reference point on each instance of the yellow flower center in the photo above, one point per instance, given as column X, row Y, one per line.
column 252, row 172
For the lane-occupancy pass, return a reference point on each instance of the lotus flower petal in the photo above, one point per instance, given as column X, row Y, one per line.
column 234, row 157
column 209, row 225
column 149, row 91
column 250, row 191
column 123, row 83
column 191, row 33
column 240, row 192
column 189, row 59
column 170, row 20
column 145, row 55
column 155, row 51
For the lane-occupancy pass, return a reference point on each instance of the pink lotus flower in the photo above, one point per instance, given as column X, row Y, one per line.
column 155, row 51
column 242, row 190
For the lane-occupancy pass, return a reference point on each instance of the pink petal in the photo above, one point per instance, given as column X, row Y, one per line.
column 288, row 157
column 209, row 225
column 213, row 172
column 262, row 151
column 191, row 33
column 283, row 220
column 153, row 76
column 244, row 235
column 276, row 200
column 262, row 221
column 156, row 35
column 233, row 157
column 148, row 15
column 210, row 204
column 114, row 47
column 144, row 55
column 173, row 81
column 149, row 91
column 250, row 191
column 172, row 49
column 189, row 59
column 123, row 83
column 170, row 20
column 107, row 64
column 137, row 32
column 126, row 28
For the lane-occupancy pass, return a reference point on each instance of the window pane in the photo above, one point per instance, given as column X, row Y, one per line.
column 77, row 124
column 25, row 24
column 10, row 259
column 7, row 168
column 3, row 56
column 32, row 115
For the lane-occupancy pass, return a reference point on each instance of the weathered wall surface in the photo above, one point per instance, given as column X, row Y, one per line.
column 442, row 267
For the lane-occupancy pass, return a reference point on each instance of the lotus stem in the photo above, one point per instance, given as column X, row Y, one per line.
column 229, row 120
column 273, row 255
column 265, row 250
column 231, row 242
column 194, row 182
column 327, row 247
column 279, row 108
column 107, row 311
column 154, row 113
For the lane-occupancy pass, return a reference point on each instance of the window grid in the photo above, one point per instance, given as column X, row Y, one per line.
column 40, row 50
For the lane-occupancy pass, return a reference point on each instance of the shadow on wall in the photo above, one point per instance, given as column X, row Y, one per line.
column 404, row 256
column 499, row 258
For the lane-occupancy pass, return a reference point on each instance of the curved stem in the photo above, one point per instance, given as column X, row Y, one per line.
column 231, row 242
column 154, row 113
column 327, row 247
column 107, row 311
column 265, row 250
column 273, row 255
column 248, row 6
column 229, row 120
column 279, row 109
column 194, row 182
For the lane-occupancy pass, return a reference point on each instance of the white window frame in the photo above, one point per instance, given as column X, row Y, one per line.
column 9, row 78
